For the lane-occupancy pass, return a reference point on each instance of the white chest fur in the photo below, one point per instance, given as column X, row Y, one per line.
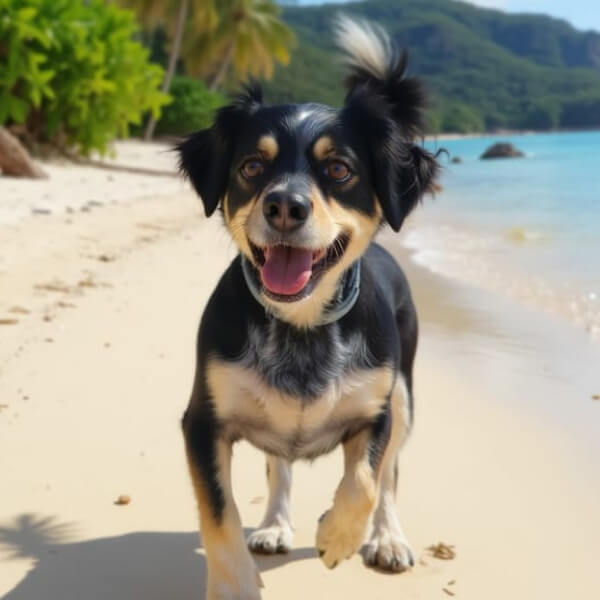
column 291, row 426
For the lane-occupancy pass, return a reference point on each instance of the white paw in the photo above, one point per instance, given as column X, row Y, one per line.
column 339, row 538
column 389, row 551
column 271, row 540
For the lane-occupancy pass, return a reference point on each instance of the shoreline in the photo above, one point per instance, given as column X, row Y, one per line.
column 432, row 137
column 486, row 259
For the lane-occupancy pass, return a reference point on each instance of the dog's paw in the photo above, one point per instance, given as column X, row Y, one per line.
column 338, row 539
column 388, row 551
column 271, row 540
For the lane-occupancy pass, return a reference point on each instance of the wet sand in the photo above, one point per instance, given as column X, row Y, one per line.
column 503, row 462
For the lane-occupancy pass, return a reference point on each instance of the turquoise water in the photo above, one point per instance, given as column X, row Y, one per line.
column 528, row 228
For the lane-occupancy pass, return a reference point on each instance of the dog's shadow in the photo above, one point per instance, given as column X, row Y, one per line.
column 149, row 565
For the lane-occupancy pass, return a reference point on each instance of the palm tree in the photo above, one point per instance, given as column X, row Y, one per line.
column 173, row 14
column 249, row 36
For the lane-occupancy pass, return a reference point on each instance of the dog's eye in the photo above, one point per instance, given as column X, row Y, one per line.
column 338, row 171
column 252, row 168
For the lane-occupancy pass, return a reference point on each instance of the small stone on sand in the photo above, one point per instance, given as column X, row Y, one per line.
column 122, row 500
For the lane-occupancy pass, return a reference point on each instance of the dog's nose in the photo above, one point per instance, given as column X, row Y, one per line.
column 286, row 211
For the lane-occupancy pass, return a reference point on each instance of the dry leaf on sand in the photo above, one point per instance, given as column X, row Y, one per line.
column 442, row 551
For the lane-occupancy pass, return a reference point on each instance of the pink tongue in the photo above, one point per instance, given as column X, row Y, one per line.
column 286, row 270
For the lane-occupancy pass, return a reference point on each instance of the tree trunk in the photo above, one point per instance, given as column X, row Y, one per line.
column 223, row 68
column 173, row 57
column 15, row 160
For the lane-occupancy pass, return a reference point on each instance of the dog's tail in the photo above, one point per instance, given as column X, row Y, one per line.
column 377, row 66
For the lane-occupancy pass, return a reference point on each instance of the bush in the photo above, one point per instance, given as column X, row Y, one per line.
column 192, row 107
column 71, row 73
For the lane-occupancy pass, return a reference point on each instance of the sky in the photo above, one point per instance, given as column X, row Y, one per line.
column 583, row 14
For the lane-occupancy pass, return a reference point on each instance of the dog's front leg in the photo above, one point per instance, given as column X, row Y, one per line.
column 342, row 529
column 275, row 534
column 367, row 456
column 232, row 573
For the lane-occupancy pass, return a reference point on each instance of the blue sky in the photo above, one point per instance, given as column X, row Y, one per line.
column 584, row 14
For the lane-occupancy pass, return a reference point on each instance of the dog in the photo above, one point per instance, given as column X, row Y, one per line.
column 309, row 338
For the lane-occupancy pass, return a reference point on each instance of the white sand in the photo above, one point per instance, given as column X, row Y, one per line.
column 72, row 188
column 94, row 379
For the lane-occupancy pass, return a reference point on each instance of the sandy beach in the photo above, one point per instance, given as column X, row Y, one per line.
column 98, row 313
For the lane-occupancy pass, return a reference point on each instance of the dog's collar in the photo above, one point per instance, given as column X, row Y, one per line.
column 344, row 300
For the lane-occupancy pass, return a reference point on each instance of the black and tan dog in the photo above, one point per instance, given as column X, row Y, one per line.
column 308, row 340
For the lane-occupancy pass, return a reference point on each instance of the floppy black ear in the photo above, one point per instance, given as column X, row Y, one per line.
column 401, row 179
column 205, row 162
column 205, row 157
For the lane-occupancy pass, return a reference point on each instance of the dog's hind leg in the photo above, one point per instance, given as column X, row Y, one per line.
column 232, row 573
column 274, row 534
column 369, row 459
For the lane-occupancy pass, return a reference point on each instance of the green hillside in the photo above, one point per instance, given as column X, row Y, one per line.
column 486, row 69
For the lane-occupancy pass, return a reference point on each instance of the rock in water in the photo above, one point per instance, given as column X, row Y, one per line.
column 502, row 150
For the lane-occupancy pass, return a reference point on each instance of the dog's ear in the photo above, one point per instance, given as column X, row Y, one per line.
column 377, row 67
column 401, row 177
column 205, row 157
column 390, row 108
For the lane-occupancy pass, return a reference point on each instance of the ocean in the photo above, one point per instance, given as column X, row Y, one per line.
column 526, row 228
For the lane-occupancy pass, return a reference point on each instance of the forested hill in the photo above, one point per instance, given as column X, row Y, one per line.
column 486, row 69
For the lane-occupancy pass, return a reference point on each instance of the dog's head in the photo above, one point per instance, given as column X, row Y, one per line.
column 303, row 188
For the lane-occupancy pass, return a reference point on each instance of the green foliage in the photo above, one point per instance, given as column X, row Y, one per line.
column 248, row 38
column 485, row 69
column 541, row 115
column 72, row 74
column 461, row 118
column 579, row 113
column 192, row 108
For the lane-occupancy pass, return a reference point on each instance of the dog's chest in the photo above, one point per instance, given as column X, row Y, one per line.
column 303, row 364
column 298, row 401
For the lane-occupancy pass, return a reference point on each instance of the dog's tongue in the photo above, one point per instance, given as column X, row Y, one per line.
column 286, row 270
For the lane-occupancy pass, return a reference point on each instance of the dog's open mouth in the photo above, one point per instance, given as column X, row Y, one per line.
column 289, row 273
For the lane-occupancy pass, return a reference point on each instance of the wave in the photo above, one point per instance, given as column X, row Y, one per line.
column 506, row 263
